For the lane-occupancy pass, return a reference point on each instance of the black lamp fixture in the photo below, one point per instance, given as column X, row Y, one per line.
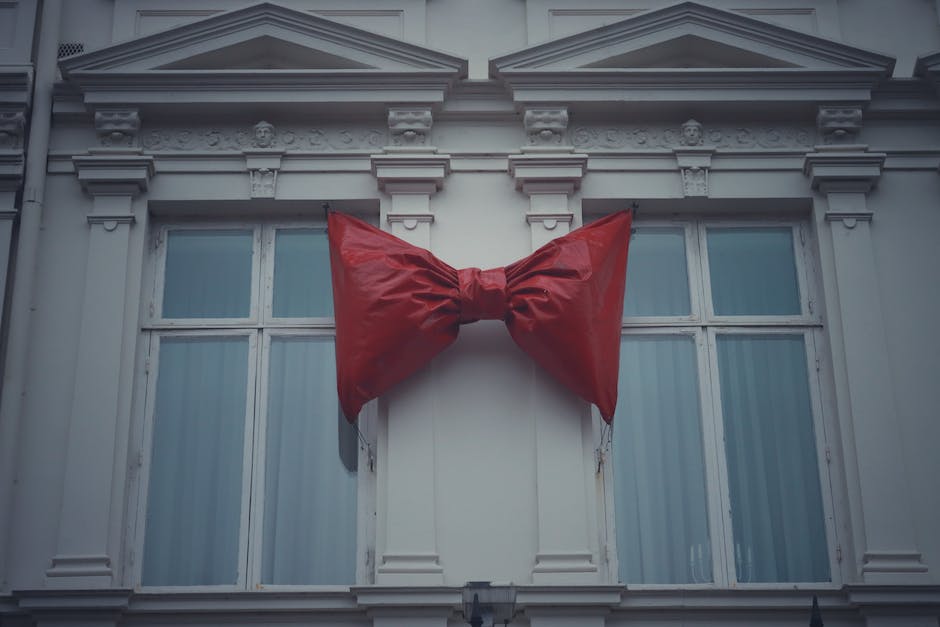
column 487, row 605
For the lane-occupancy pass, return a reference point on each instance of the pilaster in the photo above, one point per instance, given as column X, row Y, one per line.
column 548, row 177
column 410, row 555
column 12, row 160
column 408, row 606
column 884, row 538
column 87, row 542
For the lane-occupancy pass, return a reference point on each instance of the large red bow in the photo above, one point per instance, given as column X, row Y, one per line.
column 397, row 306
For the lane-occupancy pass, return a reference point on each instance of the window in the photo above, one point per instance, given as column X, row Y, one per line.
column 716, row 440
column 251, row 471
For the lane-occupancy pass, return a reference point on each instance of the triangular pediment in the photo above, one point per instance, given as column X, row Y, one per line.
column 691, row 35
column 263, row 45
column 266, row 53
column 691, row 52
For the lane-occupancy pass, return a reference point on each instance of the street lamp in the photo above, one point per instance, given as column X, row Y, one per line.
column 486, row 605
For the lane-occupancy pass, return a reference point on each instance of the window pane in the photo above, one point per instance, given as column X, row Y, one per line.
column 776, row 503
column 302, row 285
column 194, row 501
column 662, row 524
column 753, row 271
column 657, row 277
column 208, row 274
column 310, row 473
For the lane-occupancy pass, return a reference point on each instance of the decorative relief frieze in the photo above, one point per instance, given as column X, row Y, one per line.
column 263, row 135
column 117, row 128
column 409, row 126
column 546, row 127
column 692, row 133
column 12, row 126
column 839, row 125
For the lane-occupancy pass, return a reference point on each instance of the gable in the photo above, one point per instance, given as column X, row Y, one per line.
column 298, row 57
column 689, row 52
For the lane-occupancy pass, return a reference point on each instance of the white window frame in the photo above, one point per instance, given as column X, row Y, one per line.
column 704, row 326
column 259, row 329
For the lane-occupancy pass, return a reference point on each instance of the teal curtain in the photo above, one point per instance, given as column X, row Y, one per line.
column 659, row 470
column 776, row 500
column 310, row 474
column 194, row 499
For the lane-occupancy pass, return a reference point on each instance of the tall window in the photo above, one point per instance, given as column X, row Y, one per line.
column 717, row 472
column 251, row 471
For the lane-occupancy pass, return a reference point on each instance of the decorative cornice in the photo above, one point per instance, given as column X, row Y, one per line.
column 928, row 67
column 845, row 168
column 727, row 137
column 114, row 173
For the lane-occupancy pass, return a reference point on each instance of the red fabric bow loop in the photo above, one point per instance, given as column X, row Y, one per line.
column 397, row 306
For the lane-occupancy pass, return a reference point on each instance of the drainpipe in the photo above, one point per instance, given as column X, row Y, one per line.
column 22, row 296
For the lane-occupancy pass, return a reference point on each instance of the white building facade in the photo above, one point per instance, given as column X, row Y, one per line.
column 171, row 450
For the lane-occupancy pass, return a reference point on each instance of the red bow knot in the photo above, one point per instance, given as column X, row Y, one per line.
column 482, row 294
column 397, row 306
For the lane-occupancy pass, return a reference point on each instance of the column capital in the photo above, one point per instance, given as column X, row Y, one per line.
column 843, row 168
column 410, row 168
column 114, row 173
column 548, row 173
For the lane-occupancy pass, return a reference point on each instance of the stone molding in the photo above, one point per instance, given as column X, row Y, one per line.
column 410, row 220
column 12, row 129
column 12, row 167
column 114, row 173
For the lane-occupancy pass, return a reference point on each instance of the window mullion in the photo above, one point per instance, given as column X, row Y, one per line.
column 719, row 488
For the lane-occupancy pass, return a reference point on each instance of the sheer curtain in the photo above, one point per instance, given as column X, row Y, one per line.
column 310, row 494
column 194, row 498
column 657, row 274
column 660, row 506
column 776, row 503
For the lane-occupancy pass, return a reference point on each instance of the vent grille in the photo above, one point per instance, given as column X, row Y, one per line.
column 71, row 48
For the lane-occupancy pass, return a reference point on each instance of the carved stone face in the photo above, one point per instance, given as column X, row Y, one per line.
column 691, row 133
column 264, row 134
